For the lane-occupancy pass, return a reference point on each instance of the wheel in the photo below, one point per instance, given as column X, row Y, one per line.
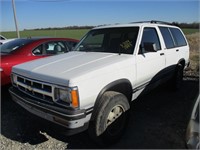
column 111, row 118
column 178, row 78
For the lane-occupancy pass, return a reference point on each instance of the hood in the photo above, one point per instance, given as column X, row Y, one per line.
column 60, row 69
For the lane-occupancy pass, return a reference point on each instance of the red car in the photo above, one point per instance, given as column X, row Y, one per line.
column 23, row 50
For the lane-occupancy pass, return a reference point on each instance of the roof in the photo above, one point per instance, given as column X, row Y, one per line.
column 137, row 24
column 49, row 38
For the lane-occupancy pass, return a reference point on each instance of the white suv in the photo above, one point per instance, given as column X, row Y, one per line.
column 92, row 87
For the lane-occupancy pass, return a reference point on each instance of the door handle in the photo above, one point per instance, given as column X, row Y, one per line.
column 177, row 50
column 162, row 54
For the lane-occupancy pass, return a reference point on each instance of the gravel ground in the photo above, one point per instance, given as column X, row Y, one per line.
column 158, row 120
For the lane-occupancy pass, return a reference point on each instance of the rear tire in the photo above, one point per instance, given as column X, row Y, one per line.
column 110, row 119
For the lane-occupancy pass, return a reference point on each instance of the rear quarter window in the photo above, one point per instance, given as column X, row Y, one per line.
column 169, row 43
column 178, row 37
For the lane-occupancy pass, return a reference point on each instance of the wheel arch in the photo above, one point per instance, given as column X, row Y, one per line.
column 122, row 86
column 181, row 62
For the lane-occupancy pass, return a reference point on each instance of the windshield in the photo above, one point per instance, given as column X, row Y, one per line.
column 14, row 45
column 112, row 40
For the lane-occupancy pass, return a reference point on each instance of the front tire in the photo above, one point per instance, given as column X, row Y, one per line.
column 110, row 119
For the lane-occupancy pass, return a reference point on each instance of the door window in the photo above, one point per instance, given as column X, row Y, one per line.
column 149, row 36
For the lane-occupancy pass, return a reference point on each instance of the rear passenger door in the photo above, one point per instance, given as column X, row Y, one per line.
column 171, row 51
column 149, row 64
column 175, row 45
column 180, row 42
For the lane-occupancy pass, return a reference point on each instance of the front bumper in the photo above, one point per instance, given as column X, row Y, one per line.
column 75, row 121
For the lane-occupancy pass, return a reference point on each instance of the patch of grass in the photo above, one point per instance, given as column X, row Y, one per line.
column 194, row 43
column 194, row 57
column 71, row 33
column 190, row 31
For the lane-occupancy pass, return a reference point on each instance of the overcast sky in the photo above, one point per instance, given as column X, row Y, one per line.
column 60, row 13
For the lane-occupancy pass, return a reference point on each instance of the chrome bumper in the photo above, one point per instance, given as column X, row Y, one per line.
column 74, row 120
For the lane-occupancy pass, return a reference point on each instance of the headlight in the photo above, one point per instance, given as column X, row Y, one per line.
column 64, row 95
column 67, row 96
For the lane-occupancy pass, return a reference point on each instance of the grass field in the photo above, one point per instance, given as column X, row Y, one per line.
column 71, row 33
column 190, row 31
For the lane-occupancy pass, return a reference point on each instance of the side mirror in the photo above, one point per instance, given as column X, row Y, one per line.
column 150, row 47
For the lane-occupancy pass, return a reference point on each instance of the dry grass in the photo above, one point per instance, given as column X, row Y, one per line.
column 194, row 43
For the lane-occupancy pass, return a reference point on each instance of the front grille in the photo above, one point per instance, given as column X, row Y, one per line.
column 36, row 89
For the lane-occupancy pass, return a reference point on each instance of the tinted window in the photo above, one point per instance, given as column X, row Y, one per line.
column 111, row 40
column 178, row 37
column 169, row 43
column 150, row 36
column 14, row 45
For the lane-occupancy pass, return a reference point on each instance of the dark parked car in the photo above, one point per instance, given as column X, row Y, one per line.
column 23, row 50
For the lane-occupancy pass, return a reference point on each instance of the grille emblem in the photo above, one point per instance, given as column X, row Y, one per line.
column 30, row 88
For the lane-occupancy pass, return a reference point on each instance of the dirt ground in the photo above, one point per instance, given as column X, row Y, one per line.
column 158, row 120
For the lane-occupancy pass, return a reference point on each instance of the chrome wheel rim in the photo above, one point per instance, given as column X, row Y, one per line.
column 115, row 113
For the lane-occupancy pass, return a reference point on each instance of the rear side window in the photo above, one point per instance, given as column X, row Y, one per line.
column 169, row 43
column 51, row 48
column 178, row 37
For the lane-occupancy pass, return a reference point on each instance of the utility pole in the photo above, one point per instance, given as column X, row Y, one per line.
column 15, row 18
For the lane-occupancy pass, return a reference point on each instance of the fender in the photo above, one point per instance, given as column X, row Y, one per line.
column 182, row 62
column 122, row 86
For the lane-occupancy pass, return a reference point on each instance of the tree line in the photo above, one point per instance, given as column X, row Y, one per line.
column 194, row 25
column 63, row 28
